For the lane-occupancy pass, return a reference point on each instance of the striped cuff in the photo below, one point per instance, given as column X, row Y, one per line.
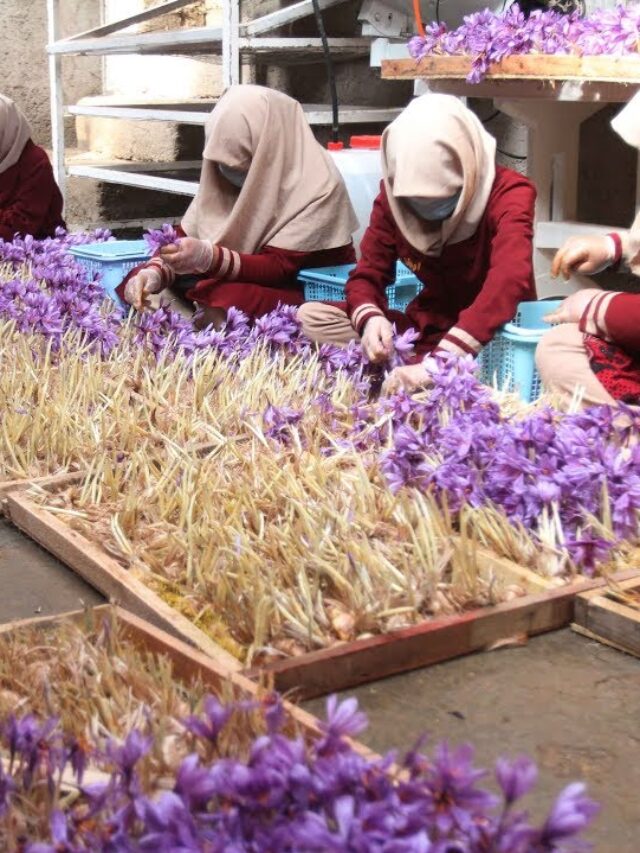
column 593, row 321
column 363, row 313
column 616, row 239
column 167, row 275
column 459, row 342
column 226, row 264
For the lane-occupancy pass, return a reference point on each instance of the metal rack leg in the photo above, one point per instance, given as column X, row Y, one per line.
column 230, row 42
column 56, row 98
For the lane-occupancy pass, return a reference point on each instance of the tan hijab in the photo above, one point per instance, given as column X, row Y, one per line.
column 293, row 196
column 14, row 133
column 434, row 148
column 627, row 125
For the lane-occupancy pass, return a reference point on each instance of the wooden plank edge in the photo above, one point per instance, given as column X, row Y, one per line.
column 591, row 635
column 362, row 661
column 48, row 481
column 627, row 579
column 106, row 575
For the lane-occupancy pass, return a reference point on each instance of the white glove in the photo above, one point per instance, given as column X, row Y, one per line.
column 377, row 339
column 189, row 256
column 588, row 255
column 572, row 308
column 410, row 377
column 142, row 285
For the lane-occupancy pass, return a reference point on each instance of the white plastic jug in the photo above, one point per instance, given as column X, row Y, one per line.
column 361, row 171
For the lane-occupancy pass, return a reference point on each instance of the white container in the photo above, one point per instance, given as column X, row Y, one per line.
column 361, row 171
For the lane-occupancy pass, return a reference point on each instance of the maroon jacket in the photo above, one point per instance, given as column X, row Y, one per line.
column 614, row 317
column 471, row 289
column 30, row 201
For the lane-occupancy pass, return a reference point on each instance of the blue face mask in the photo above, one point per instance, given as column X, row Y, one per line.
column 235, row 176
column 434, row 209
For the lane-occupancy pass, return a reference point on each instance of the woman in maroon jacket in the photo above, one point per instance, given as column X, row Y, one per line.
column 463, row 225
column 30, row 201
column 596, row 350
column 270, row 202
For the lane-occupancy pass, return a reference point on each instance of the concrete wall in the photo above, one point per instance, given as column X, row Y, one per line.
column 163, row 77
column 23, row 59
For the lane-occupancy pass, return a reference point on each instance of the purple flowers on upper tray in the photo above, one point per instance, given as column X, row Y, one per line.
column 490, row 37
column 286, row 795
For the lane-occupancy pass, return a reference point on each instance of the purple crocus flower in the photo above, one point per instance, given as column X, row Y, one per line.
column 159, row 237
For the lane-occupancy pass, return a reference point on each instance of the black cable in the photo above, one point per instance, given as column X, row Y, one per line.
column 331, row 76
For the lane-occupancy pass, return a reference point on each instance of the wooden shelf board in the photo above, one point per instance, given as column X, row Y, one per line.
column 570, row 78
column 534, row 67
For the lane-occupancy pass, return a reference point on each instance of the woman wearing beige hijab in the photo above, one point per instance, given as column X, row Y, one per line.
column 30, row 201
column 462, row 224
column 596, row 349
column 270, row 202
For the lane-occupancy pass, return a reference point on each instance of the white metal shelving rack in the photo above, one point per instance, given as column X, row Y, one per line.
column 230, row 42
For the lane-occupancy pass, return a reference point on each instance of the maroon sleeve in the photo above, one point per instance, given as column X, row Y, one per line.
column 510, row 277
column 376, row 269
column 273, row 267
column 617, row 318
column 28, row 211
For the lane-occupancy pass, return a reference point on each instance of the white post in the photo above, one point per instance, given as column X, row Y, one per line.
column 230, row 42
column 56, row 100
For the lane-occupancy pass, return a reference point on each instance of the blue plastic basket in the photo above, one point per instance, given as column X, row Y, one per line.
column 509, row 360
column 112, row 261
column 327, row 284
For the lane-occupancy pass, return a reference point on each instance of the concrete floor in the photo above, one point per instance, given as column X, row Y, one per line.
column 572, row 704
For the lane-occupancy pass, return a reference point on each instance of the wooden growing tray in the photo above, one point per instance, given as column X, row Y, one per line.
column 188, row 664
column 593, row 69
column 545, row 608
column 604, row 615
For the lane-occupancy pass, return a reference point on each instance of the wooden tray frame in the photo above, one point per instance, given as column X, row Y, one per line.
column 188, row 663
column 340, row 667
column 538, row 67
column 47, row 481
column 611, row 622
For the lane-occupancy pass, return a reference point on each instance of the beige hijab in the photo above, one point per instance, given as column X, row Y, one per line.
column 14, row 133
column 293, row 196
column 627, row 125
column 434, row 148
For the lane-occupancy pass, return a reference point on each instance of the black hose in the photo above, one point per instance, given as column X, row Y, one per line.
column 331, row 75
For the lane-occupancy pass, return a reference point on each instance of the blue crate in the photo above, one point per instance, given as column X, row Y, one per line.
column 327, row 284
column 111, row 261
column 509, row 360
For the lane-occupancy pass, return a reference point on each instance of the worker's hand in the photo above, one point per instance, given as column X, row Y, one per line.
column 587, row 255
column 190, row 255
column 572, row 308
column 410, row 378
column 142, row 285
column 377, row 339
